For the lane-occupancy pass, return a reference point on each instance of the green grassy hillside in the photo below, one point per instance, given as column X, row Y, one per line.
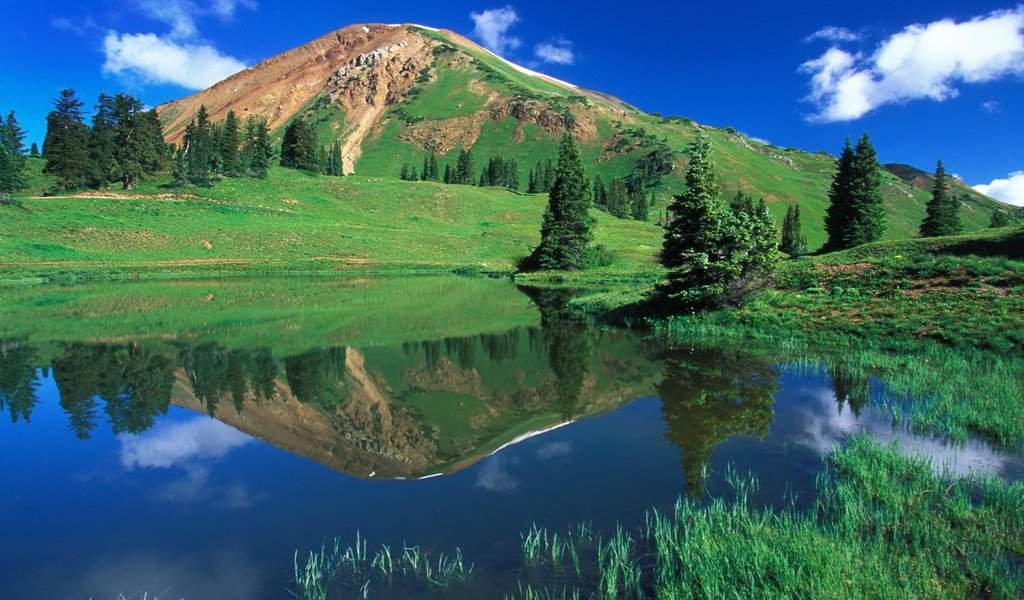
column 290, row 221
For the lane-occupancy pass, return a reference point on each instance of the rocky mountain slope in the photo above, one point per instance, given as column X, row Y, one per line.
column 393, row 94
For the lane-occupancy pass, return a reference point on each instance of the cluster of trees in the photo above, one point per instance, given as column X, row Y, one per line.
column 227, row 148
column 943, row 210
column 12, row 156
column 541, row 178
column 622, row 200
column 567, row 228
column 301, row 149
column 499, row 172
column 716, row 254
column 125, row 143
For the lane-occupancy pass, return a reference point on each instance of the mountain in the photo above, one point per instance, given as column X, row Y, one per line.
column 392, row 94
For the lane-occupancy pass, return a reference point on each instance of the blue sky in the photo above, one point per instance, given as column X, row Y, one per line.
column 928, row 80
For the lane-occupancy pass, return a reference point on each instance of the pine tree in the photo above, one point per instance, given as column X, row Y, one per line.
column 448, row 173
column 196, row 160
column 856, row 212
column 425, row 173
column 600, row 194
column 300, row 148
column 434, row 173
column 256, row 151
column 35, row 149
column 638, row 206
column 136, row 142
column 694, row 249
column 566, row 232
column 943, row 210
column 618, row 198
column 12, row 156
column 794, row 242
column 531, row 182
column 66, row 146
column 999, row 218
column 335, row 165
column 230, row 145
column 549, row 177
column 465, row 171
column 404, row 174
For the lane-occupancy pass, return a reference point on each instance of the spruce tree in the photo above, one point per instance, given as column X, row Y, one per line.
column 566, row 231
column 425, row 173
column 794, row 242
column 943, row 210
column 256, row 149
column 638, row 206
column 66, row 146
column 531, row 182
column 600, row 194
column 549, row 177
column 12, row 156
column 465, row 171
column 694, row 250
column 448, row 173
column 404, row 173
column 196, row 160
column 335, row 165
column 35, row 149
column 137, row 142
column 300, row 148
column 856, row 212
column 434, row 172
column 230, row 145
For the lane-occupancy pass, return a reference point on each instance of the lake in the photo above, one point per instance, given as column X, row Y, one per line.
column 188, row 438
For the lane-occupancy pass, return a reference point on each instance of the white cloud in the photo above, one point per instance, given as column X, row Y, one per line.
column 922, row 61
column 833, row 34
column 493, row 476
column 1009, row 190
column 181, row 15
column 558, row 52
column 162, row 60
column 177, row 444
column 553, row 450
column 492, row 27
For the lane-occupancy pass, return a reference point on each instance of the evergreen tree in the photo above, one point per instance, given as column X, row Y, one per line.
column 618, row 198
column 531, row 182
column 794, row 242
column 465, row 171
column 196, row 160
column 448, row 173
column 638, row 206
column 856, row 213
column 66, row 146
column 425, row 173
column 230, row 145
column 335, row 165
column 434, row 173
column 549, row 177
column 752, row 246
column 300, row 148
column 12, row 155
column 136, row 142
column 600, row 194
column 256, row 150
column 943, row 210
column 999, row 218
column 566, row 232
column 696, row 238
column 35, row 149
column 404, row 174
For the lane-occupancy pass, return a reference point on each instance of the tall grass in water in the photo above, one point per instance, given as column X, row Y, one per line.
column 352, row 568
column 884, row 526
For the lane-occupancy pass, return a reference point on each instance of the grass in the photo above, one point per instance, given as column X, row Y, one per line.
column 882, row 525
column 290, row 222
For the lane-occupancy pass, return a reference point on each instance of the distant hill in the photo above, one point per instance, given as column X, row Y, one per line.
column 394, row 93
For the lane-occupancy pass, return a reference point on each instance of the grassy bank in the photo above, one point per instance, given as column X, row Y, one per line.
column 882, row 526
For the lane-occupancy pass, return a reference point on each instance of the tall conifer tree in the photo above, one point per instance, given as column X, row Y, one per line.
column 566, row 232
column 943, row 210
column 66, row 146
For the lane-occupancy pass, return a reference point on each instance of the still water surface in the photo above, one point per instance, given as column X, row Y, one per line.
column 192, row 458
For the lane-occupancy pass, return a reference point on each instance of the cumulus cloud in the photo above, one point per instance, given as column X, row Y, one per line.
column 161, row 60
column 922, row 61
column 179, row 56
column 833, row 34
column 491, row 28
column 1009, row 190
column 553, row 450
column 557, row 52
column 176, row 444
